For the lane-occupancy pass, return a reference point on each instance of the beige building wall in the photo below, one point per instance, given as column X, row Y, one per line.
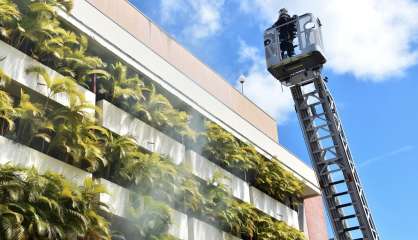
column 140, row 27
column 315, row 218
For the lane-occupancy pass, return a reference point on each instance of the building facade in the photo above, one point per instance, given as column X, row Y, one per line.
column 118, row 32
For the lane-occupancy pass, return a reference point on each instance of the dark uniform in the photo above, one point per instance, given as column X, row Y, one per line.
column 287, row 34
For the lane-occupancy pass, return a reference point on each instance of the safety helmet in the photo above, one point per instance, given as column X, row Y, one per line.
column 283, row 11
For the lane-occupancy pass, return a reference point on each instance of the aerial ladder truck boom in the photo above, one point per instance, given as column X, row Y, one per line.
column 331, row 158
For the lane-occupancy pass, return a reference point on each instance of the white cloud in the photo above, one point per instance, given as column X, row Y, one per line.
column 372, row 39
column 262, row 88
column 202, row 17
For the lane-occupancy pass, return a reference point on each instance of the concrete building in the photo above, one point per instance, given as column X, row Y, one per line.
column 120, row 30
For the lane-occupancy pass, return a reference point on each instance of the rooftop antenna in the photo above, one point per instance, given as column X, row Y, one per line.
column 242, row 81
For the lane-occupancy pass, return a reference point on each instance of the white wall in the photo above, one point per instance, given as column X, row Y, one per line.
column 21, row 155
column 199, row 230
column 118, row 200
column 15, row 64
column 274, row 208
column 179, row 228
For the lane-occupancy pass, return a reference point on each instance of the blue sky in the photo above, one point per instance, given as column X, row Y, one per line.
column 372, row 69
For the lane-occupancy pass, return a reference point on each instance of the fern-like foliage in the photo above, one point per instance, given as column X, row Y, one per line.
column 46, row 206
column 270, row 175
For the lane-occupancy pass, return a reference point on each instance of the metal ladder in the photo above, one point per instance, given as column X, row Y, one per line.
column 332, row 160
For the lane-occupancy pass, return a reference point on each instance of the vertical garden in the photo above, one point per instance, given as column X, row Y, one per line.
column 37, row 204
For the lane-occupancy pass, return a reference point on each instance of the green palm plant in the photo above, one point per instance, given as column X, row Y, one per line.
column 189, row 197
column 152, row 218
column 181, row 124
column 38, row 25
column 7, row 110
column 241, row 219
column 46, row 206
column 100, row 227
column 57, row 85
column 9, row 18
column 155, row 108
column 77, row 64
column 151, row 174
column 78, row 138
column 32, row 122
column 268, row 228
column 273, row 179
column 217, row 197
column 39, row 32
column 119, row 149
column 122, row 89
column 66, row 5
column 269, row 175
column 222, row 146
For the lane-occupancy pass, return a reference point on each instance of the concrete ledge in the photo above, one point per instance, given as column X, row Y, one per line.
column 122, row 123
column 205, row 169
column 15, row 64
column 118, row 201
column 199, row 230
column 274, row 208
column 21, row 155
column 116, row 198
column 179, row 228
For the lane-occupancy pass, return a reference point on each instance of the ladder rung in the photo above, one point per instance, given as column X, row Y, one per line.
column 329, row 172
column 351, row 229
column 329, row 161
column 315, row 139
column 324, row 137
column 317, row 127
column 337, row 182
column 313, row 117
column 325, row 149
column 315, row 104
column 348, row 217
column 310, row 106
column 340, row 194
column 311, row 94
column 344, row 205
column 307, row 106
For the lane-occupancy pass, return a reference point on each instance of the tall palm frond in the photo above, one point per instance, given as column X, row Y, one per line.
column 66, row 5
column 32, row 122
column 151, row 174
column 79, row 138
column 80, row 65
column 9, row 18
column 58, row 84
column 119, row 149
column 122, row 89
column 7, row 112
column 157, row 106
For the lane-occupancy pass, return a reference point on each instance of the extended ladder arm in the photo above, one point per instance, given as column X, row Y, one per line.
column 332, row 161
